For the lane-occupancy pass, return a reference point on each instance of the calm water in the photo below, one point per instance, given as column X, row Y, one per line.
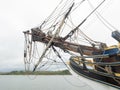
column 9, row 82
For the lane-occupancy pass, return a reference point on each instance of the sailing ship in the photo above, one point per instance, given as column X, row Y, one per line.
column 94, row 60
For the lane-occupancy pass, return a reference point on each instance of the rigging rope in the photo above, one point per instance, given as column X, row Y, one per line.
column 76, row 28
column 56, row 17
column 51, row 14
column 102, row 19
column 57, row 53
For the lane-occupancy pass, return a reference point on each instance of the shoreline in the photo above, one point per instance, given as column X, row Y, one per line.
column 63, row 72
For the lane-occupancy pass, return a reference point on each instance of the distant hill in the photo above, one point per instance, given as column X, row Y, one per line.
column 63, row 72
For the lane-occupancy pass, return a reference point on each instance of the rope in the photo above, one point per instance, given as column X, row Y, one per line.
column 69, row 81
column 52, row 19
column 102, row 19
column 57, row 53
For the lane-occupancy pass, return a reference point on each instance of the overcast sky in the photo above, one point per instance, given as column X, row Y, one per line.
column 17, row 16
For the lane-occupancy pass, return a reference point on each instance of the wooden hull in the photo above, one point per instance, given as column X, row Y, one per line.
column 94, row 75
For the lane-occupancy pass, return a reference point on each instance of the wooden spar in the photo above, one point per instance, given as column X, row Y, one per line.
column 38, row 35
